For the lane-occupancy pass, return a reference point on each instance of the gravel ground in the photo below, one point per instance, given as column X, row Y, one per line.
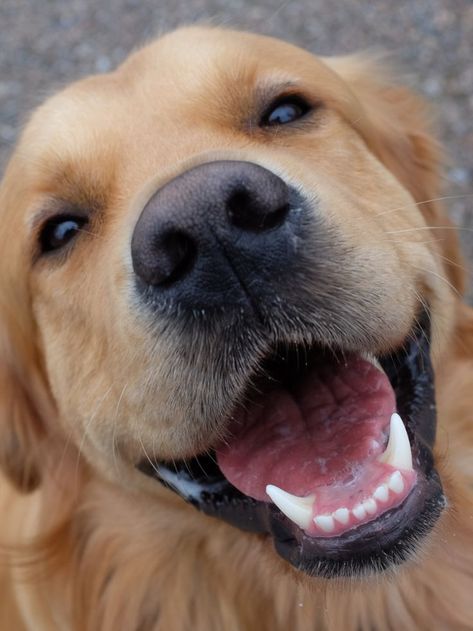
column 47, row 43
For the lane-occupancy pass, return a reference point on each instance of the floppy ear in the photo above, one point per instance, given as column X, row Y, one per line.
column 21, row 427
column 20, row 433
column 24, row 398
column 396, row 125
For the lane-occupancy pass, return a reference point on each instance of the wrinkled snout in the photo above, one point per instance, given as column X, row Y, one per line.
column 216, row 235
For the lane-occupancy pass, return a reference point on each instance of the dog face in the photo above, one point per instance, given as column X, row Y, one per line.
column 214, row 246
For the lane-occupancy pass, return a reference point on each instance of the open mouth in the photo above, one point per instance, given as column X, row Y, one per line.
column 330, row 454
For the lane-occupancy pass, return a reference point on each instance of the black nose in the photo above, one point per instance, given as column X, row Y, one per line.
column 207, row 235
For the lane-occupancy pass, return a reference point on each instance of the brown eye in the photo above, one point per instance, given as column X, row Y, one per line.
column 284, row 111
column 59, row 231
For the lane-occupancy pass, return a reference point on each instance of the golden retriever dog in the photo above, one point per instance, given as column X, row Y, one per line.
column 236, row 368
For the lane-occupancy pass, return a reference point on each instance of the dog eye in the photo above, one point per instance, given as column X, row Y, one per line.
column 285, row 110
column 60, row 230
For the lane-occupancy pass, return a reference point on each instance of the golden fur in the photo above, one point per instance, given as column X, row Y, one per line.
column 88, row 543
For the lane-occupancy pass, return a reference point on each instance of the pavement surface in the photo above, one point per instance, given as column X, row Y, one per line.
column 48, row 43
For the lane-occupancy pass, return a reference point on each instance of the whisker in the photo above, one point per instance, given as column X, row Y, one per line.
column 153, row 465
column 404, row 241
column 419, row 228
column 84, row 433
column 445, row 280
column 462, row 267
column 114, row 430
column 210, row 455
column 425, row 201
column 200, row 465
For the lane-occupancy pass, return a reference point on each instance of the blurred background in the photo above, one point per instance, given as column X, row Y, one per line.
column 47, row 43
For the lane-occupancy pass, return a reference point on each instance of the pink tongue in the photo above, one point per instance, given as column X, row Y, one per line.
column 322, row 432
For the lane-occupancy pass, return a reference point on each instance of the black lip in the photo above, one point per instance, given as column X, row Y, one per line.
column 375, row 546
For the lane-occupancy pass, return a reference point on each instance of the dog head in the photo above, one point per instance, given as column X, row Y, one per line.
column 225, row 268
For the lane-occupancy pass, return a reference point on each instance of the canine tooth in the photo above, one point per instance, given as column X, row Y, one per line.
column 398, row 452
column 370, row 506
column 382, row 493
column 396, row 483
column 359, row 512
column 325, row 522
column 298, row 509
column 342, row 515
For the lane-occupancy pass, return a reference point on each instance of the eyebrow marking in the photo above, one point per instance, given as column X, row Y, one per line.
column 55, row 207
column 268, row 89
column 70, row 189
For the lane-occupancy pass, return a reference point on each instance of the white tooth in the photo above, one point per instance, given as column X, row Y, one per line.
column 325, row 522
column 370, row 506
column 359, row 512
column 382, row 493
column 298, row 509
column 398, row 452
column 396, row 483
column 342, row 515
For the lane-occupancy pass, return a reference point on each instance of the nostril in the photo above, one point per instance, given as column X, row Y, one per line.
column 174, row 257
column 193, row 231
column 245, row 211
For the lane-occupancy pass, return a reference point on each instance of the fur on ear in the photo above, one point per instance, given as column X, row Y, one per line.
column 24, row 402
column 396, row 125
column 24, row 395
column 20, row 433
column 22, row 399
